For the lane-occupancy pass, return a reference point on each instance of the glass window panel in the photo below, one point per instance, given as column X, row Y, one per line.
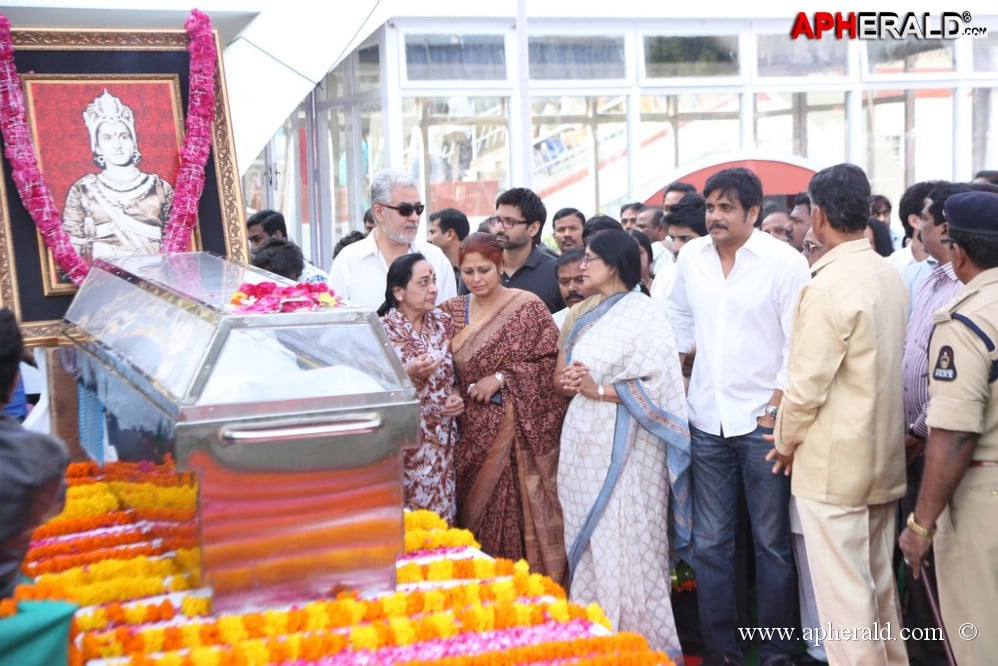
column 444, row 57
column 591, row 57
column 892, row 56
column 679, row 129
column 580, row 153
column 368, row 69
column 811, row 125
column 458, row 147
column 984, row 139
column 336, row 81
column 986, row 53
column 691, row 56
column 910, row 136
column 781, row 56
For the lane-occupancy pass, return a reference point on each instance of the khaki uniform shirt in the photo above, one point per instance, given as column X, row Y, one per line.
column 960, row 365
column 842, row 414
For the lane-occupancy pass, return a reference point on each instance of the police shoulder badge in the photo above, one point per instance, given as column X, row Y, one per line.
column 945, row 370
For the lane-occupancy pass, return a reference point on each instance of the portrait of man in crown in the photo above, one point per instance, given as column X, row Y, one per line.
column 109, row 150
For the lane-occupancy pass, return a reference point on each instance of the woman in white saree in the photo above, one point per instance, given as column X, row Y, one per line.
column 623, row 474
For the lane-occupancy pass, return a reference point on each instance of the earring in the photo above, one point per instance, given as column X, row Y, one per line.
column 136, row 157
column 100, row 161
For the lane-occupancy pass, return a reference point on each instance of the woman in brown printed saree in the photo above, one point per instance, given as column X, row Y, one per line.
column 505, row 350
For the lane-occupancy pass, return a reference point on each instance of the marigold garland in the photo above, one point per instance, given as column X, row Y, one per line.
column 64, row 526
column 61, row 563
column 417, row 540
column 453, row 605
column 370, row 624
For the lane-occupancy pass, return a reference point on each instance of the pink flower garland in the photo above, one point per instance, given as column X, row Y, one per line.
column 35, row 194
column 197, row 142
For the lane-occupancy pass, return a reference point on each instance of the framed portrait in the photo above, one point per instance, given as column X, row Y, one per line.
column 106, row 111
column 111, row 188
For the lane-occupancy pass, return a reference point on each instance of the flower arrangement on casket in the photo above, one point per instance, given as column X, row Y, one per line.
column 268, row 297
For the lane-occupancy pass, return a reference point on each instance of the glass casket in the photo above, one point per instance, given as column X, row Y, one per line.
column 293, row 422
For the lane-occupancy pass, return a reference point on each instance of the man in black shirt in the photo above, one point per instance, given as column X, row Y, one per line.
column 521, row 216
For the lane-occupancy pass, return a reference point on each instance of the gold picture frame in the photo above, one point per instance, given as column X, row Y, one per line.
column 29, row 283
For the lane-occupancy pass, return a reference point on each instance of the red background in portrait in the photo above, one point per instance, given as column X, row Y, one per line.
column 62, row 140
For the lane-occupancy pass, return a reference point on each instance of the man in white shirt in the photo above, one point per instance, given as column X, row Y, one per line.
column 734, row 296
column 359, row 272
column 651, row 222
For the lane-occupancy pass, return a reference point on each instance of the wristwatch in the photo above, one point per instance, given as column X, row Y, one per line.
column 772, row 411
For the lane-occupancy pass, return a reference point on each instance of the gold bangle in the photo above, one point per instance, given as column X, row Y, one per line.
column 918, row 529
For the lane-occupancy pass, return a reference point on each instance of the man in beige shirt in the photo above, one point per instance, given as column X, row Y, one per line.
column 841, row 428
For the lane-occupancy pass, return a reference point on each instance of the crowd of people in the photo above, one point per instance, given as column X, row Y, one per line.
column 717, row 381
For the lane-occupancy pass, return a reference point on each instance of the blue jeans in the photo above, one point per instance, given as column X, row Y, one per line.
column 716, row 462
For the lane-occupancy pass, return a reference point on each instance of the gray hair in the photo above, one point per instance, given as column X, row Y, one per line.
column 384, row 181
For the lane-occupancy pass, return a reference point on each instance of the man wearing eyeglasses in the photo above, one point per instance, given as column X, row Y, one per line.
column 934, row 292
column 520, row 217
column 955, row 511
column 359, row 272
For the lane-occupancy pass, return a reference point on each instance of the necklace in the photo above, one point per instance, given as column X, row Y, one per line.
column 122, row 186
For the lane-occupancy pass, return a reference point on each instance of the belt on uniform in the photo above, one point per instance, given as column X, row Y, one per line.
column 984, row 463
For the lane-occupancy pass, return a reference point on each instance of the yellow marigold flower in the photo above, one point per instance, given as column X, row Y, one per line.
column 410, row 572
column 595, row 614
column 292, row 643
column 424, row 520
column 89, row 621
column 523, row 613
column 254, row 652
column 195, row 606
column 433, row 600
column 558, row 610
column 484, row 568
column 275, row 623
column 192, row 634
column 153, row 637
column 440, row 570
column 395, row 604
column 504, row 591
column 403, row 631
column 206, row 656
column 232, row 629
column 364, row 637
column 444, row 625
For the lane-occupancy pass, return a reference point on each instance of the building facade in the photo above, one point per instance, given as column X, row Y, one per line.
column 594, row 114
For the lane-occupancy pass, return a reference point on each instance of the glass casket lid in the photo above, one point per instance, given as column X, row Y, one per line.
column 170, row 319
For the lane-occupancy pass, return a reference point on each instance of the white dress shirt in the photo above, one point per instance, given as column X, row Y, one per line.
column 359, row 272
column 741, row 326
column 662, row 258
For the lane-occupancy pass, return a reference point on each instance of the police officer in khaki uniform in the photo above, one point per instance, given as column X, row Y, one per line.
column 958, row 500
